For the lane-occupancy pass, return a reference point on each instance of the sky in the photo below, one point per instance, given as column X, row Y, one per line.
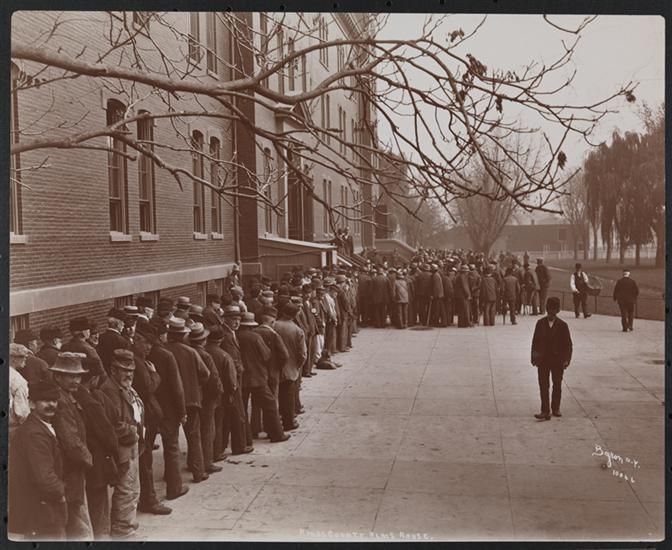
column 612, row 51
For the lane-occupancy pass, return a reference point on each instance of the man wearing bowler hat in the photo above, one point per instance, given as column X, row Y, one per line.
column 36, row 368
column 212, row 394
column 37, row 508
column 52, row 342
column 256, row 356
column 111, row 338
column 129, row 427
column 71, row 432
column 194, row 374
column 80, row 328
column 551, row 354
column 625, row 294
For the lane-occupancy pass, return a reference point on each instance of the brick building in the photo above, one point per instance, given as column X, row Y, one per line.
column 90, row 229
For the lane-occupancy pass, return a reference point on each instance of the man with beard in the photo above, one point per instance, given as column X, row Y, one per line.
column 129, row 409
column 71, row 432
column 37, row 507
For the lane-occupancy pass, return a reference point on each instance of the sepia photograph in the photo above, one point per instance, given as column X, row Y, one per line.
column 335, row 276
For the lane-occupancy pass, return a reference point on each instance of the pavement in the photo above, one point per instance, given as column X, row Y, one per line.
column 430, row 435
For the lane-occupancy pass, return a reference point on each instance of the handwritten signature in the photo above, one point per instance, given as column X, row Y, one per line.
column 613, row 458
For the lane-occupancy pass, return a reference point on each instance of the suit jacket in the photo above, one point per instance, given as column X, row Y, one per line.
column 551, row 346
column 437, row 286
column 423, row 284
column 255, row 306
column 489, row 289
column 128, row 430
column 92, row 362
column 71, row 432
column 225, row 367
column 364, row 289
column 146, row 381
column 212, row 389
column 48, row 354
column 231, row 346
column 625, row 291
column 211, row 318
column 380, row 291
column 36, row 369
column 461, row 287
column 295, row 342
column 36, row 503
column 255, row 354
column 100, row 418
column 193, row 371
column 448, row 286
column 108, row 341
column 279, row 353
column 511, row 287
column 543, row 275
column 474, row 284
column 170, row 393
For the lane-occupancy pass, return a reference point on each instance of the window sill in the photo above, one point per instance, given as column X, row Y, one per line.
column 213, row 74
column 217, row 236
column 144, row 236
column 200, row 236
column 18, row 239
column 117, row 237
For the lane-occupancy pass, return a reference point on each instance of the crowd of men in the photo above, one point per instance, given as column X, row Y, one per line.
column 85, row 413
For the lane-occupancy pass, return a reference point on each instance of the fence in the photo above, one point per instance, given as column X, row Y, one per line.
column 645, row 307
column 645, row 252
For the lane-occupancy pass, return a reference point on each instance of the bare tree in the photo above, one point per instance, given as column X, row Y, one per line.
column 575, row 209
column 459, row 120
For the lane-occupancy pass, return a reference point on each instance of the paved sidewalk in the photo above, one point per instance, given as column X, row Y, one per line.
column 430, row 434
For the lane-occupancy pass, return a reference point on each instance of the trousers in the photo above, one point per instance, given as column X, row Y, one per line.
column 627, row 314
column 192, row 432
column 543, row 295
column 543, row 374
column 580, row 302
column 125, row 497
column 489, row 313
column 99, row 510
column 207, row 414
column 287, row 402
column 265, row 400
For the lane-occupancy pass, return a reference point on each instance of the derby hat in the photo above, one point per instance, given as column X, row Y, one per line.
column 247, row 320
column 24, row 336
column 290, row 310
column 78, row 324
column 232, row 311
column 147, row 331
column 131, row 311
column 216, row 334
column 69, row 362
column 123, row 359
column 159, row 324
column 43, row 390
column 269, row 312
column 198, row 332
column 177, row 326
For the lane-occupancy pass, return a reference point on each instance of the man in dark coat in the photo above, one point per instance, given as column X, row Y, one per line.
column 194, row 374
column 345, row 307
column 37, row 507
column 256, row 356
column 423, row 291
column 511, row 291
column 170, row 396
column 35, row 368
column 52, row 341
column 448, row 281
column 229, row 418
column 475, row 291
column 380, row 295
column 146, row 381
column 551, row 354
column 625, row 294
column 80, row 328
column 364, row 298
column 71, row 432
column 463, row 297
column 544, row 278
column 211, row 318
column 438, row 306
column 129, row 409
column 488, row 297
column 311, row 329
column 111, row 338
column 212, row 394
column 230, row 345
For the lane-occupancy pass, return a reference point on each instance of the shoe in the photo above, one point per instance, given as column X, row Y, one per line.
column 588, row 315
column 255, row 435
column 155, row 447
column 202, row 477
column 557, row 413
column 631, row 329
column 183, row 492
column 542, row 416
column 292, row 427
column 514, row 323
column 307, row 375
column 158, row 509
column 301, row 410
column 313, row 373
column 221, row 457
column 246, row 450
column 213, row 469
column 625, row 330
column 284, row 437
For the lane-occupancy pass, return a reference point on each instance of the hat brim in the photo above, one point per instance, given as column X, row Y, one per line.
column 249, row 324
column 184, row 330
column 63, row 371
column 202, row 336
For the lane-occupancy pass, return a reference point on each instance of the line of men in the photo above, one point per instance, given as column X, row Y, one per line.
column 84, row 414
column 433, row 292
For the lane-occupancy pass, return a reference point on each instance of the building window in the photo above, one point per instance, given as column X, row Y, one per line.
column 323, row 34
column 17, row 323
column 353, row 134
column 15, row 210
column 341, row 60
column 281, row 55
column 291, row 69
column 268, row 190
column 325, row 116
column 194, row 38
column 202, row 292
column 199, row 188
column 146, row 177
column 342, row 128
column 211, row 41
column 141, row 19
column 121, row 301
column 325, row 197
column 117, row 171
column 304, row 73
column 263, row 46
column 215, row 197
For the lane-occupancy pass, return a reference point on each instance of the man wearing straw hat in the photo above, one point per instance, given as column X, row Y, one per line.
column 71, row 432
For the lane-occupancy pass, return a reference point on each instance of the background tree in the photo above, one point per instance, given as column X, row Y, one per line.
column 575, row 209
column 475, row 103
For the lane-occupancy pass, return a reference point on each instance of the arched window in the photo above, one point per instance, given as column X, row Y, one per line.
column 117, row 171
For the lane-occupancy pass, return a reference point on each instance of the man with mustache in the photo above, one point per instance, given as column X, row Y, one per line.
column 37, row 506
